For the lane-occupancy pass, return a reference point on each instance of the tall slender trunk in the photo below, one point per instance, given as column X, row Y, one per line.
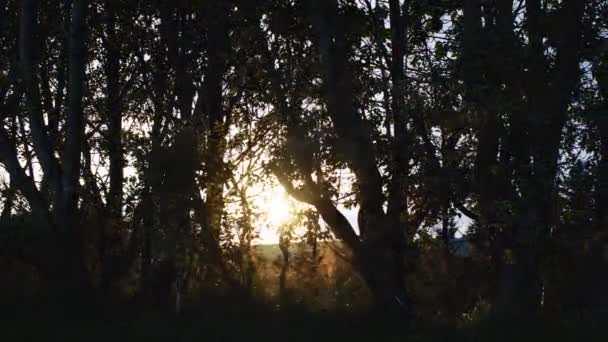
column 114, row 117
column 598, row 258
column 599, row 252
column 68, row 213
column 397, row 197
column 152, row 183
column 110, row 234
column 283, row 290
column 217, row 53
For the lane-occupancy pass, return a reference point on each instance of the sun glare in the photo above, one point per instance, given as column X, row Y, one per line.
column 277, row 208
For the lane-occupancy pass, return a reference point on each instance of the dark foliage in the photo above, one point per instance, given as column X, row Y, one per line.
column 139, row 140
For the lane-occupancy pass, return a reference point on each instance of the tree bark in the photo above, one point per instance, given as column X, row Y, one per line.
column 42, row 143
column 114, row 116
column 377, row 256
column 397, row 201
column 598, row 256
column 283, row 290
column 548, row 96
column 67, row 209
column 217, row 52
column 110, row 239
column 19, row 179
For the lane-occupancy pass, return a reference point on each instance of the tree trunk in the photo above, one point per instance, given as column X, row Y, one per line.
column 283, row 290
column 74, row 256
column 519, row 249
column 214, row 162
column 42, row 144
column 379, row 255
column 114, row 117
column 152, row 183
column 599, row 245
column 382, row 267
column 397, row 203
column 110, row 228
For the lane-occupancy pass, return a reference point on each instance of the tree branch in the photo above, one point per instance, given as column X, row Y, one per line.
column 42, row 144
column 23, row 182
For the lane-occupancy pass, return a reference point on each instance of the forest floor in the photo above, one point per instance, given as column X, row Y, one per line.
column 233, row 321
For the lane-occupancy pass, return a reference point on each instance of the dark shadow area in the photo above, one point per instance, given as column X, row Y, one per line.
column 291, row 170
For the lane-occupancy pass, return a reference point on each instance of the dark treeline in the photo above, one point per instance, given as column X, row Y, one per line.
column 131, row 130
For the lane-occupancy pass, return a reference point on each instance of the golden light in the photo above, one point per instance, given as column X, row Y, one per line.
column 277, row 209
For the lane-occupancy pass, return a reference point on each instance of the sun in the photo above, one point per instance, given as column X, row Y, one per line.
column 278, row 209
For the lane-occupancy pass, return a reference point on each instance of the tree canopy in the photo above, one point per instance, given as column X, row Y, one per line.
column 437, row 145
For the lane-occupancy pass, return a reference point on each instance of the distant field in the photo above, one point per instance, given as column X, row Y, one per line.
column 325, row 281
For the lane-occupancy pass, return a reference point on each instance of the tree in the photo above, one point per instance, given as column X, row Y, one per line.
column 58, row 207
column 531, row 108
